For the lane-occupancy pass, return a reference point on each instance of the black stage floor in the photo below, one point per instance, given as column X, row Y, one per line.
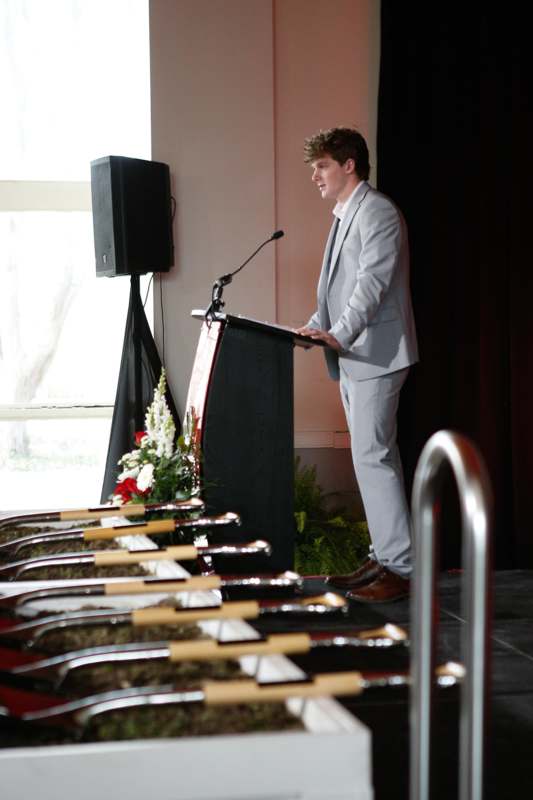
column 509, row 758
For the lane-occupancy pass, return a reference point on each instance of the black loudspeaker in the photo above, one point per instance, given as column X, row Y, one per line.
column 132, row 216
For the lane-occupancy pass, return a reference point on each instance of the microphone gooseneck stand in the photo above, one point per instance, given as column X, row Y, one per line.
column 217, row 302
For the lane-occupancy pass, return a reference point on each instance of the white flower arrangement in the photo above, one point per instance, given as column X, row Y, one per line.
column 161, row 467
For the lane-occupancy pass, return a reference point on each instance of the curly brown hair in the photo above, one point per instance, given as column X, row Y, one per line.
column 341, row 144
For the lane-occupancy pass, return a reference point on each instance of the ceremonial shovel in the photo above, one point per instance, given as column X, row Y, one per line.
column 56, row 669
column 119, row 586
column 100, row 512
column 97, row 534
column 110, row 558
column 29, row 632
column 30, row 707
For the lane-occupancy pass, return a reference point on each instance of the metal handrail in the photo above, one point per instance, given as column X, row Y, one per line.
column 475, row 499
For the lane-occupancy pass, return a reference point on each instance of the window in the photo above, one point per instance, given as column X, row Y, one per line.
column 74, row 86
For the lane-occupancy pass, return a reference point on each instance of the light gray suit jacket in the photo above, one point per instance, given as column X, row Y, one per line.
column 364, row 298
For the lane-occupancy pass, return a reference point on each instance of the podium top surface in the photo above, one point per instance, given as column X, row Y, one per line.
column 239, row 320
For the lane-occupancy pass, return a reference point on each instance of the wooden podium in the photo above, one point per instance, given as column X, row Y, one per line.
column 241, row 389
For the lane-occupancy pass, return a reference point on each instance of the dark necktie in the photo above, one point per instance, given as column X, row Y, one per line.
column 332, row 246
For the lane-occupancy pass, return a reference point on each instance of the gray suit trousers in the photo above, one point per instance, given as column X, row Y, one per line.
column 371, row 407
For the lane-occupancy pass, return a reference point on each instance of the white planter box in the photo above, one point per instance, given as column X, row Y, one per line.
column 330, row 760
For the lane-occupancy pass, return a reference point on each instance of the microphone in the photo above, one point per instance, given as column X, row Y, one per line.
column 225, row 279
column 216, row 294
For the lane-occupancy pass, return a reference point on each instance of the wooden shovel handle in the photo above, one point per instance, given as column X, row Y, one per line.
column 248, row 691
column 112, row 557
column 243, row 609
column 195, row 584
column 100, row 513
column 145, row 529
column 210, row 649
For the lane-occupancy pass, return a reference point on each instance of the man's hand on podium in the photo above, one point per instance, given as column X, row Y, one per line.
column 324, row 336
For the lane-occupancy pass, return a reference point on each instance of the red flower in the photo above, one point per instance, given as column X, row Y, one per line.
column 139, row 436
column 127, row 488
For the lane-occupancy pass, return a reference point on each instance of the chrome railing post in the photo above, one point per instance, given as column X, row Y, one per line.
column 475, row 499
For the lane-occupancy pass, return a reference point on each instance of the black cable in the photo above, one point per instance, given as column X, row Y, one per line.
column 173, row 206
column 162, row 321
column 148, row 289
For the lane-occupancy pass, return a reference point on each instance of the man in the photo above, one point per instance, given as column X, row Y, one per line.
column 365, row 316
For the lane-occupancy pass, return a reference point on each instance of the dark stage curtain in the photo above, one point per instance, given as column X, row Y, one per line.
column 455, row 134
column 140, row 370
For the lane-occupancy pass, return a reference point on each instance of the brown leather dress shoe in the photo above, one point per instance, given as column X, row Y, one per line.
column 366, row 573
column 387, row 587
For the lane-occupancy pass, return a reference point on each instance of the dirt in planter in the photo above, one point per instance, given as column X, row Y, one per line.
column 192, row 720
column 70, row 571
column 107, row 677
column 53, row 548
column 75, row 571
column 163, row 721
column 21, row 531
column 63, row 641
column 16, row 532
column 74, row 546
column 149, row 722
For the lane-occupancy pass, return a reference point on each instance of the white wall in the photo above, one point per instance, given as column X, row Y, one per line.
column 236, row 87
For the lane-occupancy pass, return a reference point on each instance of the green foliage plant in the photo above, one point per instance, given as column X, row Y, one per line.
column 329, row 540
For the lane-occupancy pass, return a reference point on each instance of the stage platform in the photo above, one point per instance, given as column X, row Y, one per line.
column 509, row 761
